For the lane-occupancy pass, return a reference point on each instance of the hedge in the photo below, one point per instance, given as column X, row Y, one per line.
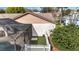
column 66, row 37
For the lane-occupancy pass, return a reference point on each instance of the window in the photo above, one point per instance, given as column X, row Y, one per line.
column 2, row 33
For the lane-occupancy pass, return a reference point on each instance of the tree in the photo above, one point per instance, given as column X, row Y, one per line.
column 35, row 10
column 66, row 12
column 77, row 10
column 15, row 10
column 46, row 9
column 66, row 37
column 2, row 11
column 63, row 9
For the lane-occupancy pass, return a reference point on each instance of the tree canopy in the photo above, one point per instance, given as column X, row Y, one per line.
column 77, row 10
column 35, row 10
column 66, row 37
column 46, row 9
column 2, row 11
column 66, row 12
column 15, row 10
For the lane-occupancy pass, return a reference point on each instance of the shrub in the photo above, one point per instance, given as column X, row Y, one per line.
column 66, row 37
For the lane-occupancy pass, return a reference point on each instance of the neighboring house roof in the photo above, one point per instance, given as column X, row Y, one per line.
column 11, row 16
column 49, row 16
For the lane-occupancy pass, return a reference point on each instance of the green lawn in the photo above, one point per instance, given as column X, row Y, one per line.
column 40, row 40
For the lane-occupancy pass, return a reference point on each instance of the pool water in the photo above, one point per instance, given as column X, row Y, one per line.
column 4, row 46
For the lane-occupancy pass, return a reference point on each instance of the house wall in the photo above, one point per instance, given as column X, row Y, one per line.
column 77, row 22
column 40, row 29
column 67, row 22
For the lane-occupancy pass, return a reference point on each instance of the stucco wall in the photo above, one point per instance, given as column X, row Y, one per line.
column 40, row 29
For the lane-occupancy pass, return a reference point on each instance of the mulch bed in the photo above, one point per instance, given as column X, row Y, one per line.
column 53, row 47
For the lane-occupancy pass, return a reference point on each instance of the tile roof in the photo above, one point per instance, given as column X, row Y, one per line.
column 49, row 16
column 11, row 16
column 44, row 16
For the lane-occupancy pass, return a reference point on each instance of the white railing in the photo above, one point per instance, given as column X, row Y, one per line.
column 30, row 47
column 37, row 47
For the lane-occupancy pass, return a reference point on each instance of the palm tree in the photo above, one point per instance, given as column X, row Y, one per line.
column 61, row 10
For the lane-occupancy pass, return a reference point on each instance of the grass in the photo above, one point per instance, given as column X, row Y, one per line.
column 40, row 40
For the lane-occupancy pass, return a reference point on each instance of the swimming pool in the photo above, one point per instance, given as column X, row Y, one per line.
column 5, row 46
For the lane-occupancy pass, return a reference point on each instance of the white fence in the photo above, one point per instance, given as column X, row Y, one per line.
column 37, row 47
column 46, row 47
